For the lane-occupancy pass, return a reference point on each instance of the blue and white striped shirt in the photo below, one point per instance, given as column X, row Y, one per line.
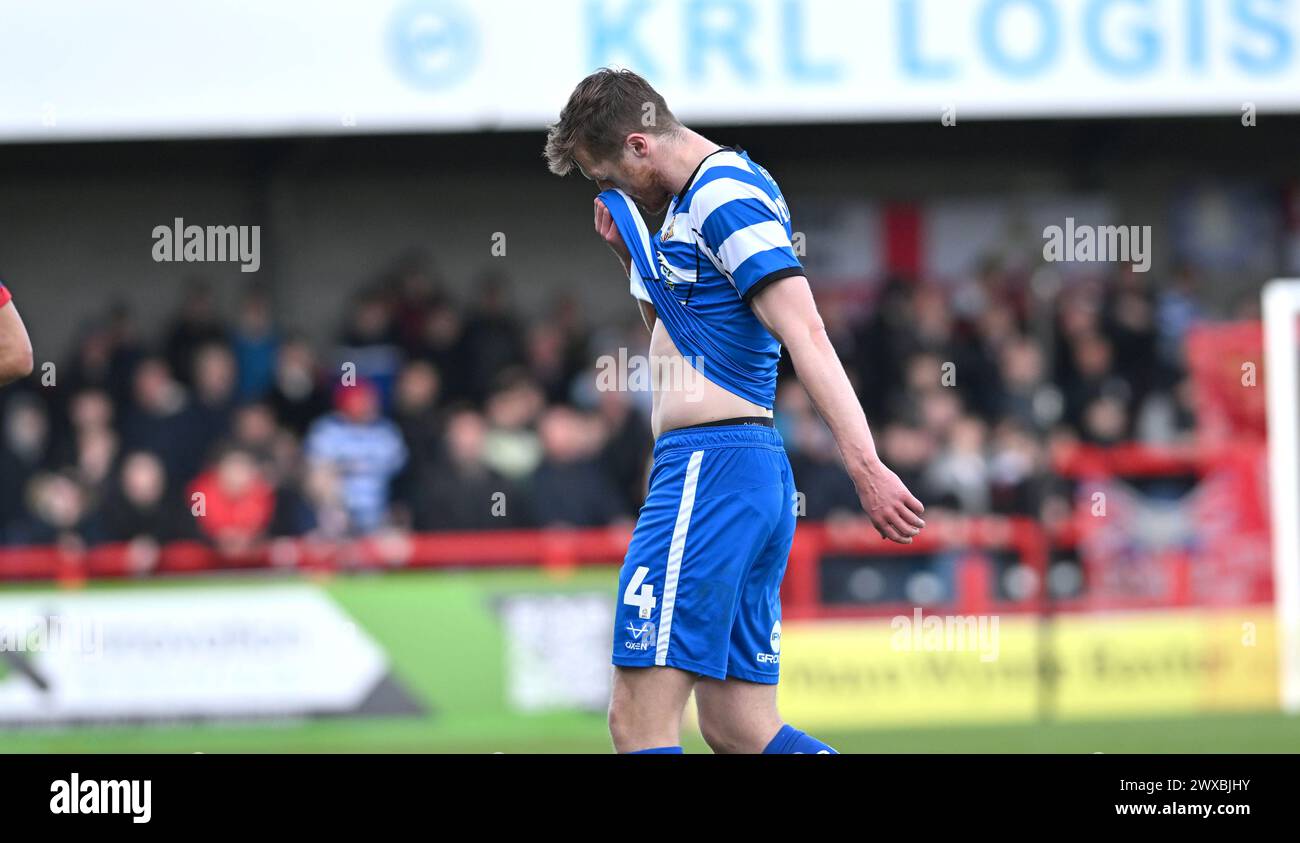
column 365, row 456
column 725, row 238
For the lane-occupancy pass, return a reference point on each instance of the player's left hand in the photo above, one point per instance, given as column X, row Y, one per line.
column 894, row 511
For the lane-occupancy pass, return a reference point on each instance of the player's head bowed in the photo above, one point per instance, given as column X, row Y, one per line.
column 614, row 129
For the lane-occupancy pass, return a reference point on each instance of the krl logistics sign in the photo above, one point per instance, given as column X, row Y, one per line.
column 148, row 68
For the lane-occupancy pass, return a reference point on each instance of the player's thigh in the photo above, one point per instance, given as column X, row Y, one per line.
column 735, row 698
column 755, row 641
column 651, row 694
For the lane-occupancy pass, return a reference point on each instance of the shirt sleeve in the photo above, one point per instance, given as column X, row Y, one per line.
column 746, row 233
column 636, row 237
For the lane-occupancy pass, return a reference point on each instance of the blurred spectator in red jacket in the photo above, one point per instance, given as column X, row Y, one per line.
column 236, row 504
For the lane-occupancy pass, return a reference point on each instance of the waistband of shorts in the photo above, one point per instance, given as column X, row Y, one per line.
column 718, row 435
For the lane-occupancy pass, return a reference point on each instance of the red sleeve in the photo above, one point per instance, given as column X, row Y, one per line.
column 5, row 297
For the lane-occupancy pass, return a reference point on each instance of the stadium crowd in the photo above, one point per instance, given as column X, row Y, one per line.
column 430, row 413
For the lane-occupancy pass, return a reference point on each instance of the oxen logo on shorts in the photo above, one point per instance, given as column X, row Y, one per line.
column 641, row 636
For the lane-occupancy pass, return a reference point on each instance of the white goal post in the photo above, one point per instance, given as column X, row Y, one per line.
column 1282, row 373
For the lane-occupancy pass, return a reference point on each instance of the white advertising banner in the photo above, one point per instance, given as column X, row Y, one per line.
column 149, row 68
column 172, row 653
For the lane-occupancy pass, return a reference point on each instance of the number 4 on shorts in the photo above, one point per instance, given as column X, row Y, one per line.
column 644, row 599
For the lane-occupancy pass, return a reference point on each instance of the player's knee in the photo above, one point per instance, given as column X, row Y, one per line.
column 729, row 735
column 720, row 738
column 620, row 724
column 627, row 728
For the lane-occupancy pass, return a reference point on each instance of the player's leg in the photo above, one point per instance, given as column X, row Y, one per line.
column 680, row 584
column 740, row 713
column 742, row 717
column 651, row 686
column 645, row 708
column 737, row 716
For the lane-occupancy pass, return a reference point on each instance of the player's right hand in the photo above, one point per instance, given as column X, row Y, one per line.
column 608, row 231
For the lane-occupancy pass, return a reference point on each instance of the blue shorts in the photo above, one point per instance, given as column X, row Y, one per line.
column 700, row 588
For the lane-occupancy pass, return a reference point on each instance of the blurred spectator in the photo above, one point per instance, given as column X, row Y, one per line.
column 106, row 356
column 460, row 492
column 415, row 290
column 97, row 450
column 547, row 363
column 959, row 475
column 24, row 448
column 160, row 419
column 626, row 453
column 417, row 415
column 1094, row 378
column 493, row 338
column 90, row 409
column 326, row 509
column 569, row 488
column 255, row 344
column 296, row 392
column 216, row 379
column 233, row 503
column 57, row 514
column 1026, row 397
column 416, row 410
column 140, row 505
column 820, row 476
column 513, row 448
column 198, row 324
column 370, row 343
column 1017, row 472
column 441, row 343
column 255, row 430
column 363, row 448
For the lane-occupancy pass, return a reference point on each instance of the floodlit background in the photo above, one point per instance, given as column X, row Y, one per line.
column 361, row 489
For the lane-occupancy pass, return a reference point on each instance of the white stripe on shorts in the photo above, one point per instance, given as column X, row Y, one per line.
column 675, row 552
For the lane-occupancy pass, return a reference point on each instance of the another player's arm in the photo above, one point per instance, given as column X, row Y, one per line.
column 15, row 346
column 786, row 308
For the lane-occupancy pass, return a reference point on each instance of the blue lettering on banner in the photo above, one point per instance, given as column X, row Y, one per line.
column 909, row 46
column 719, row 27
column 800, row 68
column 1269, row 29
column 758, row 42
column 1196, row 49
column 1037, row 60
column 1142, row 59
column 612, row 38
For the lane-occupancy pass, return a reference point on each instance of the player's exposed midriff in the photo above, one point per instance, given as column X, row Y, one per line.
column 683, row 394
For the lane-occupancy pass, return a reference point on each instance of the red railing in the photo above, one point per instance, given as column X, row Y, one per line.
column 971, row 539
column 559, row 550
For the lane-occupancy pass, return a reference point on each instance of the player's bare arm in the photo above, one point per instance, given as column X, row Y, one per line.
column 15, row 346
column 788, row 310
